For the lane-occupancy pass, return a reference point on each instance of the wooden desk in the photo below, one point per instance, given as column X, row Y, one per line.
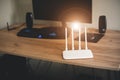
column 106, row 51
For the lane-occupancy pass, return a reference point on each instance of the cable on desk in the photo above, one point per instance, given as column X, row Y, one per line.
column 109, row 75
column 30, row 69
column 47, row 70
column 65, row 70
column 117, row 75
column 94, row 75
column 74, row 72
column 28, row 64
column 37, row 67
column 119, row 67
column 9, row 28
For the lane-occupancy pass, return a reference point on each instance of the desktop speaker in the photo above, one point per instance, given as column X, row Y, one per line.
column 29, row 20
column 102, row 24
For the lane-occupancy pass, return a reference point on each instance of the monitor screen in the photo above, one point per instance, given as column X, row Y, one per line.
column 63, row 10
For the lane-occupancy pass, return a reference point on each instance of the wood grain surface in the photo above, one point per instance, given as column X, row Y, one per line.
column 106, row 52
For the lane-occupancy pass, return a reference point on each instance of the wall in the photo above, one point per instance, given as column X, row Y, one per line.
column 110, row 8
column 6, row 12
column 16, row 9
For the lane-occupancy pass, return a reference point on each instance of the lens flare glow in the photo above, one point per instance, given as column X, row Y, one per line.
column 76, row 25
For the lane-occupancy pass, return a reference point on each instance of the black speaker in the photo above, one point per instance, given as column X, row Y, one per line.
column 29, row 20
column 102, row 24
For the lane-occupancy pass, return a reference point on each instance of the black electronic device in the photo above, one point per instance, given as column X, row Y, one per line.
column 47, row 33
column 67, row 10
column 102, row 24
column 29, row 20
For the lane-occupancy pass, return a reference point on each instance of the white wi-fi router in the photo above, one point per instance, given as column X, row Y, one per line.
column 80, row 53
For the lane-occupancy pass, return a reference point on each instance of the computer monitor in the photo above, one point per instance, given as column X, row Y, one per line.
column 63, row 10
column 57, row 10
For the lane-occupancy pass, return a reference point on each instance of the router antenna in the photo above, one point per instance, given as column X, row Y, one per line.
column 72, row 39
column 80, row 38
column 66, row 40
column 86, row 46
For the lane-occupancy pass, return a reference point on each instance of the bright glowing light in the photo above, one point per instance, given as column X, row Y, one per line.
column 76, row 26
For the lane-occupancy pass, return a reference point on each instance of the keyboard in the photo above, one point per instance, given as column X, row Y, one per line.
column 47, row 33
